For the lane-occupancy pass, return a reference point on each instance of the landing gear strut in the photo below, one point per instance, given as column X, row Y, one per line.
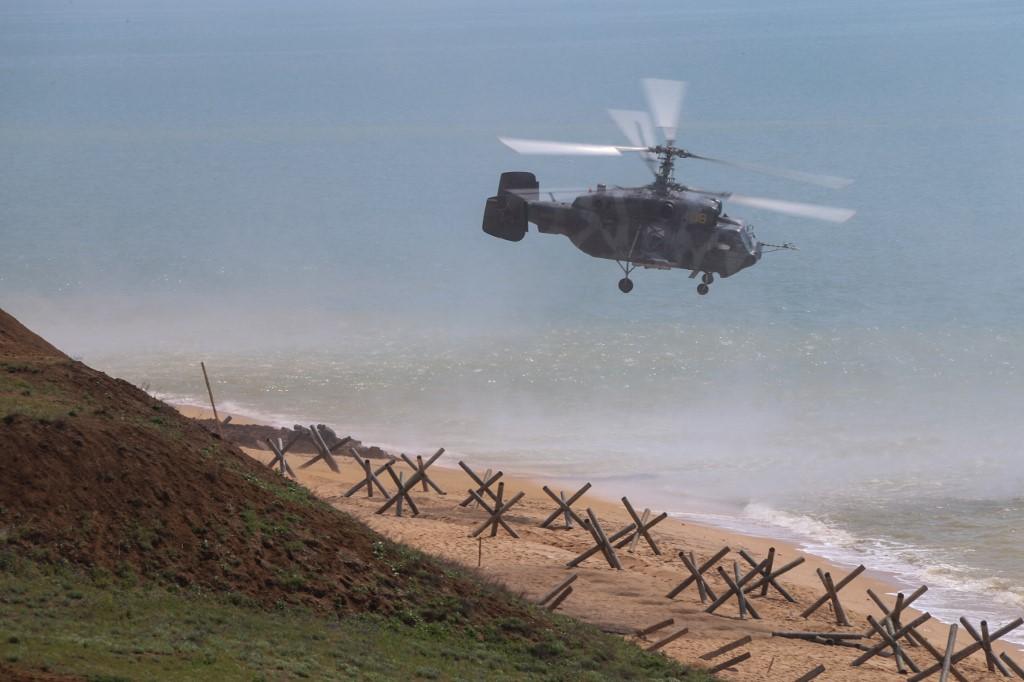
column 626, row 284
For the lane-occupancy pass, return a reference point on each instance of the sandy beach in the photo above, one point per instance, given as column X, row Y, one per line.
column 635, row 597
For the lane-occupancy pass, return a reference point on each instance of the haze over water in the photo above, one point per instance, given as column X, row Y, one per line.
column 294, row 194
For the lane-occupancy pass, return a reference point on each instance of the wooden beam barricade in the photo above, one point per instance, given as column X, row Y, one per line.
column 643, row 632
column 635, row 540
column 421, row 469
column 730, row 663
column 773, row 575
column 369, row 476
column 280, row 448
column 602, row 540
column 598, row 546
column 564, row 507
column 642, row 528
column 734, row 587
column 500, row 507
column 559, row 599
column 946, row 659
column 894, row 616
column 323, row 452
column 768, row 579
column 703, row 588
column 813, row 636
column 1012, row 665
column 830, row 589
column 483, row 484
column 811, row 674
column 558, row 589
column 890, row 641
column 967, row 651
column 986, row 645
column 726, row 648
column 667, row 640
column 403, row 490
column 829, row 593
column 697, row 573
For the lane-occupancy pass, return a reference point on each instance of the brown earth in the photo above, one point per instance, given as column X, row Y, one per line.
column 101, row 475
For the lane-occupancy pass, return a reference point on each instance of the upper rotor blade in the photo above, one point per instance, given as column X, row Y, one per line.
column 665, row 98
column 794, row 208
column 638, row 129
column 571, row 148
column 831, row 181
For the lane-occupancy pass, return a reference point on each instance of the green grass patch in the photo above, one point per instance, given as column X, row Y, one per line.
column 62, row 621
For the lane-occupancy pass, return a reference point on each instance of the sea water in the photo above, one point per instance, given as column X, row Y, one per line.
column 294, row 195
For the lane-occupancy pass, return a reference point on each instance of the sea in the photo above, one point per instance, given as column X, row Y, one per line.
column 293, row 192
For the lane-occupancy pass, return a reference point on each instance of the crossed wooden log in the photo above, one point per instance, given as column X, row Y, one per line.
column 602, row 542
column 736, row 588
column 642, row 528
column 279, row 447
column 559, row 594
column 323, row 452
column 564, row 507
column 369, row 476
column 832, row 594
column 483, row 484
column 950, row 659
column 500, row 507
column 697, row 575
column 404, row 486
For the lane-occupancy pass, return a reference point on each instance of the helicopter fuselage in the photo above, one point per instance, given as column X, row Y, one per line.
column 651, row 229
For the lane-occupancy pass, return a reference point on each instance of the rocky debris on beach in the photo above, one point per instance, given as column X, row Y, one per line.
column 256, row 435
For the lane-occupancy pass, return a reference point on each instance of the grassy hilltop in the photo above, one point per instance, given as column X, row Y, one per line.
column 136, row 545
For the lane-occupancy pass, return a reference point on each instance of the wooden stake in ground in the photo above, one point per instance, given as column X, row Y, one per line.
column 564, row 507
column 832, row 595
column 641, row 527
column 213, row 405
column 697, row 573
column 484, row 485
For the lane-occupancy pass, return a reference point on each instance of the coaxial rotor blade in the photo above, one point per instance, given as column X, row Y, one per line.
column 638, row 129
column 665, row 98
column 831, row 181
column 569, row 148
column 794, row 208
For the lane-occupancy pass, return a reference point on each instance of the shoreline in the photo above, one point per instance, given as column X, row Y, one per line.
column 444, row 533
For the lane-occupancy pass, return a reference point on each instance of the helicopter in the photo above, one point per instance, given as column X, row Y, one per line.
column 661, row 225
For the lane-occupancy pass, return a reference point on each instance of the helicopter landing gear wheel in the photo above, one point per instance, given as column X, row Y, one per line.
column 707, row 278
column 625, row 285
column 703, row 289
